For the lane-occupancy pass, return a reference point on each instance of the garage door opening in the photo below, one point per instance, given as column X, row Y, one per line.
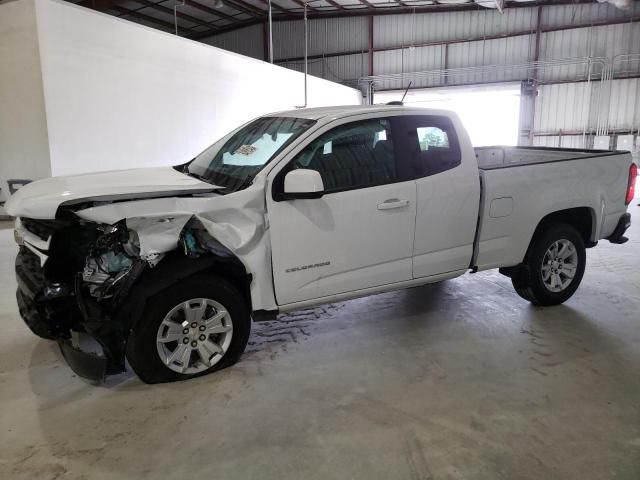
column 489, row 113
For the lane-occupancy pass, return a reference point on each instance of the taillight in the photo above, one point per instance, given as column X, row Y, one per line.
column 631, row 187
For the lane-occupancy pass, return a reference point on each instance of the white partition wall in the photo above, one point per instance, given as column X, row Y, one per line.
column 120, row 95
column 24, row 149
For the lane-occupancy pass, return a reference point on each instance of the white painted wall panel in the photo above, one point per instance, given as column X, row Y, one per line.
column 119, row 95
column 24, row 152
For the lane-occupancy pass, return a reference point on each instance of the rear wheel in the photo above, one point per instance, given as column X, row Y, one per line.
column 197, row 326
column 554, row 266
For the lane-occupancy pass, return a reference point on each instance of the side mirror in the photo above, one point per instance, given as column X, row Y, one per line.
column 303, row 184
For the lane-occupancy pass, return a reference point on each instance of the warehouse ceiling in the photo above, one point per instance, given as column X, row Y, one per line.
column 198, row 19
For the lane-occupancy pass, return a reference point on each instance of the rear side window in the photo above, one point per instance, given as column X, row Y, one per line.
column 432, row 137
column 432, row 144
column 353, row 155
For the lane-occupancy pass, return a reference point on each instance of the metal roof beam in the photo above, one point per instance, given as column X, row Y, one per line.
column 210, row 11
column 169, row 11
column 302, row 4
column 276, row 6
column 245, row 7
column 381, row 11
column 409, row 10
column 335, row 4
column 507, row 82
column 100, row 4
column 142, row 16
column 367, row 3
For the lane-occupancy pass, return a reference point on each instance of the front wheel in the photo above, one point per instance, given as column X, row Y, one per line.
column 197, row 326
column 553, row 268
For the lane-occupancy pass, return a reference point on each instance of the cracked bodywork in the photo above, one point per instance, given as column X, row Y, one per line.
column 237, row 222
column 131, row 250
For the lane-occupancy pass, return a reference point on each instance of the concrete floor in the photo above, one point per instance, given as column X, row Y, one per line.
column 460, row 380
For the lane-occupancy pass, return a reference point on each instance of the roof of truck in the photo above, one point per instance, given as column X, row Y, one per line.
column 337, row 111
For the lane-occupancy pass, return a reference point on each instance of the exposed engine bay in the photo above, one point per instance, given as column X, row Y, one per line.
column 110, row 260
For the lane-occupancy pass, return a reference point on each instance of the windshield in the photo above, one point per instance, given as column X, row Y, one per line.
column 234, row 160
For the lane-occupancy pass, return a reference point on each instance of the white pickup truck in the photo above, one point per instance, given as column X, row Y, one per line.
column 168, row 266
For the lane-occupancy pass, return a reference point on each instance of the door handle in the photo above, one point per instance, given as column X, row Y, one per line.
column 392, row 203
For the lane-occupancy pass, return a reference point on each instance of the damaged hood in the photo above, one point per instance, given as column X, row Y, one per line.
column 42, row 198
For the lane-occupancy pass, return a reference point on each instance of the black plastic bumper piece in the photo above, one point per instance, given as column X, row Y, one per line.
column 33, row 317
column 85, row 364
column 54, row 310
column 618, row 234
column 45, row 307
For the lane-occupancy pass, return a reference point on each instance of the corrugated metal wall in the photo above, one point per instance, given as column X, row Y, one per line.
column 560, row 15
column 400, row 30
column 399, row 40
column 326, row 36
column 482, row 46
column 624, row 105
column 573, row 109
column 563, row 106
column 245, row 41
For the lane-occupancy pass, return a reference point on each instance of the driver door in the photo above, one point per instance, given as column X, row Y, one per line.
column 359, row 234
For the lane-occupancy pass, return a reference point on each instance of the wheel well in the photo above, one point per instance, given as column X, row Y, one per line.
column 175, row 267
column 233, row 270
column 581, row 218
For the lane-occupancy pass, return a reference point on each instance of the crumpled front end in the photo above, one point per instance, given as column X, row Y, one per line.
column 91, row 270
column 72, row 276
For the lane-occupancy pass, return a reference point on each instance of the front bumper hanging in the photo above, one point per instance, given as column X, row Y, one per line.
column 85, row 364
column 53, row 311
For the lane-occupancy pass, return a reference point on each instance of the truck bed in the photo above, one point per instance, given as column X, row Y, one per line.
column 521, row 185
column 490, row 158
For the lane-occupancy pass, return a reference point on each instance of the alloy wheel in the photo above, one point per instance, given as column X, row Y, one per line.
column 194, row 335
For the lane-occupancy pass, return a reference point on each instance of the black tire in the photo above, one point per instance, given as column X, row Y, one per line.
column 528, row 281
column 142, row 352
column 522, row 289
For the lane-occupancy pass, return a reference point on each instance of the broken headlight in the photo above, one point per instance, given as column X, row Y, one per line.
column 17, row 232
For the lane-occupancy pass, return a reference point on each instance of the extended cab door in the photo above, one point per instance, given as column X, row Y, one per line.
column 359, row 234
column 448, row 193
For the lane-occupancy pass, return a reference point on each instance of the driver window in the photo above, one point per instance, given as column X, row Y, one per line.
column 354, row 155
